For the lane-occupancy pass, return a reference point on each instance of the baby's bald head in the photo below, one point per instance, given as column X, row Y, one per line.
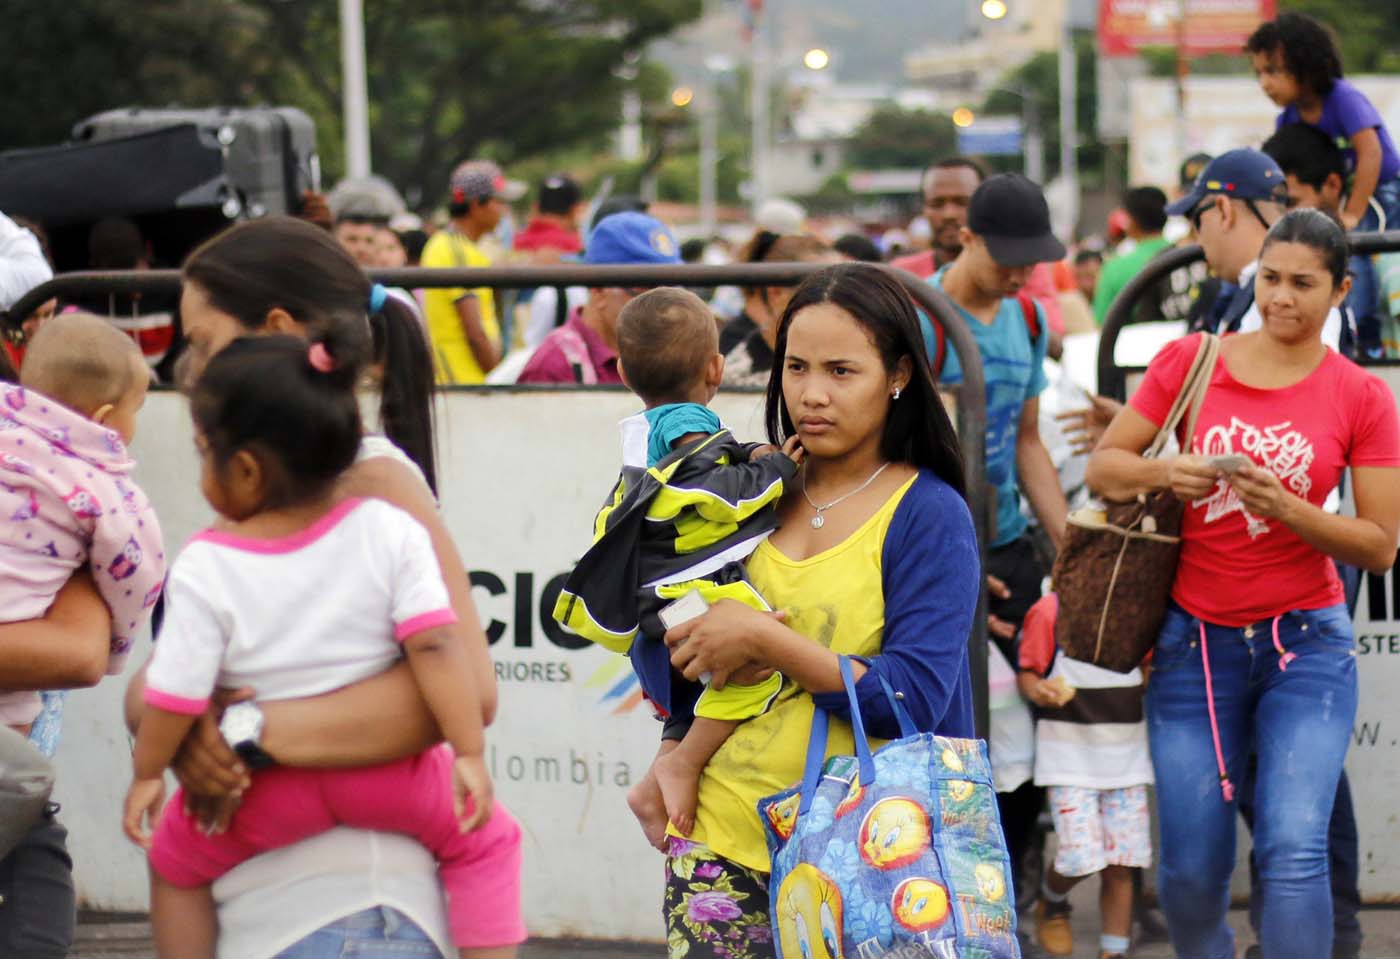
column 666, row 338
column 82, row 361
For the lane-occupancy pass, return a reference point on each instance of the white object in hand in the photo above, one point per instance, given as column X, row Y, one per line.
column 683, row 610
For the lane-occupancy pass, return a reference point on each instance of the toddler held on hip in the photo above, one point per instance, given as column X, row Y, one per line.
column 294, row 594
column 66, row 487
column 691, row 505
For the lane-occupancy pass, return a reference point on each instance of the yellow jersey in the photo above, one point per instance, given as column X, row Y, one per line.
column 452, row 357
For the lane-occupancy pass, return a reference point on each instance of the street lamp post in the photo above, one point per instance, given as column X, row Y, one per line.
column 1033, row 137
column 1069, row 137
column 761, row 133
column 355, row 101
column 709, row 142
column 1069, row 126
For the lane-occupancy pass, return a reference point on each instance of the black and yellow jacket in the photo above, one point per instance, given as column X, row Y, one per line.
column 701, row 509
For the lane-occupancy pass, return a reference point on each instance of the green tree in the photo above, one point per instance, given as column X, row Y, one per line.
column 448, row 79
column 895, row 138
column 1369, row 31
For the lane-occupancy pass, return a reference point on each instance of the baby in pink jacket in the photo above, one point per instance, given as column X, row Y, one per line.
column 66, row 493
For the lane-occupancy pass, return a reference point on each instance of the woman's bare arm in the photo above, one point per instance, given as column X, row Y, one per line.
column 66, row 649
column 377, row 720
column 1367, row 540
column 346, row 727
column 1118, row 472
column 396, row 484
column 730, row 635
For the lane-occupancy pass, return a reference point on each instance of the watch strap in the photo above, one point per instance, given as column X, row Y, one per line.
column 253, row 755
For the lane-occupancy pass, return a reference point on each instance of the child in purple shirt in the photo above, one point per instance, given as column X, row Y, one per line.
column 1300, row 68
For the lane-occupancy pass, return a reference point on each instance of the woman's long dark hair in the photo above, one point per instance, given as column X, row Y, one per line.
column 288, row 263
column 917, row 429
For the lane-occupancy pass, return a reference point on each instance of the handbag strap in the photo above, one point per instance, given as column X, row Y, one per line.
column 901, row 715
column 1198, row 399
column 1191, row 395
column 816, row 742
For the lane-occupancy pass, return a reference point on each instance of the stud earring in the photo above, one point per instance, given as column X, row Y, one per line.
column 896, row 392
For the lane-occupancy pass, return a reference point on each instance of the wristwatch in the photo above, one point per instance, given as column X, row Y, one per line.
column 242, row 728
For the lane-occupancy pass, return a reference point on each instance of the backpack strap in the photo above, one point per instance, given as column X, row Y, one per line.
column 575, row 351
column 561, row 306
column 1031, row 314
column 935, row 344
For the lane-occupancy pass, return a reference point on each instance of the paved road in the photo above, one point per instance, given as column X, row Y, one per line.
column 108, row 937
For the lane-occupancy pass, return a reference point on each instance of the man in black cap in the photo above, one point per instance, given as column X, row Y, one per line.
column 1007, row 234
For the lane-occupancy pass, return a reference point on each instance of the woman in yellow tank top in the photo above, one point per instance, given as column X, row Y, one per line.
column 876, row 558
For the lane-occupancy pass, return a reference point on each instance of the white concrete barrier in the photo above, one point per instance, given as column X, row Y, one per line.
column 522, row 475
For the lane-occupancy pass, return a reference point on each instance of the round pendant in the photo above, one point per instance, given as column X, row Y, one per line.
column 818, row 522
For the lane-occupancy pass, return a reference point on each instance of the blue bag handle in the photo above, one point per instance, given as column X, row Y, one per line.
column 816, row 743
column 901, row 715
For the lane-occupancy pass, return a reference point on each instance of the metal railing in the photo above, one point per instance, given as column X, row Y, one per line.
column 971, row 392
column 1113, row 379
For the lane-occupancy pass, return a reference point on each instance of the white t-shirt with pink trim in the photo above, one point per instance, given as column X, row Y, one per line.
column 297, row 616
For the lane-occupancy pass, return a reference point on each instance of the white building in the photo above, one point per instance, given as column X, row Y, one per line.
column 810, row 145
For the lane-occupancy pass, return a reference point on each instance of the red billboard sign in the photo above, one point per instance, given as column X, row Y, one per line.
column 1202, row 26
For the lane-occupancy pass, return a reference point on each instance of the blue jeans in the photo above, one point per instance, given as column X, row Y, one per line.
column 1298, row 722
column 1344, row 867
column 379, row 932
column 37, row 914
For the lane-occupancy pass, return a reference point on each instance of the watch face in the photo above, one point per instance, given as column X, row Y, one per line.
column 242, row 722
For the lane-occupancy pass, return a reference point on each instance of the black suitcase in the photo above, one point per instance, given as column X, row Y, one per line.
column 269, row 152
column 181, row 175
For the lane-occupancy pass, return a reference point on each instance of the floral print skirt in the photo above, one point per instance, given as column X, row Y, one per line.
column 714, row 908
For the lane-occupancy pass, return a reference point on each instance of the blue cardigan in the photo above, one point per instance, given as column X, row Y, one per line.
column 931, row 577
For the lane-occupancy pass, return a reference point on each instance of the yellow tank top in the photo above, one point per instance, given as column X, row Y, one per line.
column 835, row 598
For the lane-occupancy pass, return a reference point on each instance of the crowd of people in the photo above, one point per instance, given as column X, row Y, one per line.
column 348, row 805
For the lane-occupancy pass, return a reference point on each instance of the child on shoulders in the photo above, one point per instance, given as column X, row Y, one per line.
column 1299, row 67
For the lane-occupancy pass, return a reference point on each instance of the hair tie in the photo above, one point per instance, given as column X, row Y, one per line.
column 320, row 358
column 378, row 294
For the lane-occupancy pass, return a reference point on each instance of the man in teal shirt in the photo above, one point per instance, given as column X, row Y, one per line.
column 1146, row 207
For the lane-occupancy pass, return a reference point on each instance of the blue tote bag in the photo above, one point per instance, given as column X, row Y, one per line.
column 894, row 853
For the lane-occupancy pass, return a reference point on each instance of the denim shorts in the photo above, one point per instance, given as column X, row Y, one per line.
column 380, row 932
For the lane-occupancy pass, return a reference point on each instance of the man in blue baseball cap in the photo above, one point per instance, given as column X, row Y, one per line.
column 1236, row 199
column 584, row 349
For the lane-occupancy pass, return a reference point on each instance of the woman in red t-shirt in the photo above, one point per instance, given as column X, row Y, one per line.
column 1255, row 655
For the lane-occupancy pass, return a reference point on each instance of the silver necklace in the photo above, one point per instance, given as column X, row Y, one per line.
column 819, row 521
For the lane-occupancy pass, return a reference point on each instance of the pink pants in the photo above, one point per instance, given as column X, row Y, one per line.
column 480, row 870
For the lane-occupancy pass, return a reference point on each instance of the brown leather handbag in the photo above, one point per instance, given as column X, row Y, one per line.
column 1114, row 572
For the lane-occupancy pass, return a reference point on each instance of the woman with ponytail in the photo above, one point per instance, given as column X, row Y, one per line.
column 298, row 592
column 282, row 276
